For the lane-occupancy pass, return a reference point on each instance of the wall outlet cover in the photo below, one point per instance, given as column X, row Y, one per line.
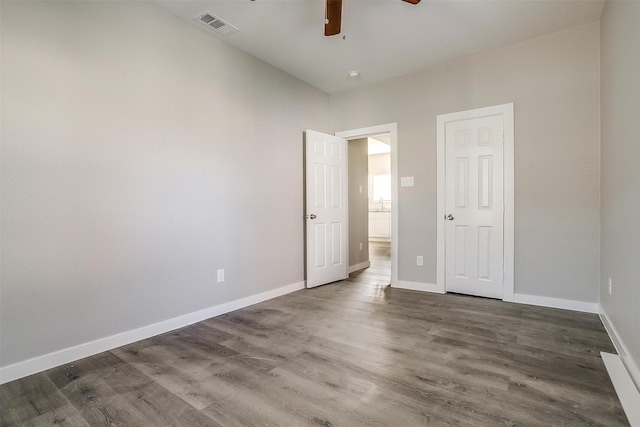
column 406, row 181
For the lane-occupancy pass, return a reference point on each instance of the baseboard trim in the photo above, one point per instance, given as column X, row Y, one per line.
column 360, row 266
column 67, row 355
column 630, row 364
column 566, row 304
column 418, row 286
column 625, row 388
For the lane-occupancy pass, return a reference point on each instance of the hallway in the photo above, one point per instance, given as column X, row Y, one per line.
column 379, row 273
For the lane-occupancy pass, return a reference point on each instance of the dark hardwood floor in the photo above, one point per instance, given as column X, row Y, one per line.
column 347, row 354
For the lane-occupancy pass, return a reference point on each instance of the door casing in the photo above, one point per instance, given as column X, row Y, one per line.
column 506, row 110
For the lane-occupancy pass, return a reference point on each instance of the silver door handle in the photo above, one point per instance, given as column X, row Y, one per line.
column 312, row 216
column 449, row 217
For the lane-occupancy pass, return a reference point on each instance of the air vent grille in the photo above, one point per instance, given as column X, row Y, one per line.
column 218, row 25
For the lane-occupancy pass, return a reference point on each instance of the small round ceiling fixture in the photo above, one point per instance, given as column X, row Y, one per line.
column 354, row 74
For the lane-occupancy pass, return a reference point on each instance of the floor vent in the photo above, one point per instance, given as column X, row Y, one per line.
column 216, row 24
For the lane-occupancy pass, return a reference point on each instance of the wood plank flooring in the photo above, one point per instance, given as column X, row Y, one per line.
column 353, row 353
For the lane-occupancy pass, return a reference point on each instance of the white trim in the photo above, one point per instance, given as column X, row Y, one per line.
column 60, row 357
column 360, row 266
column 631, row 366
column 625, row 388
column 392, row 130
column 566, row 304
column 417, row 286
column 506, row 110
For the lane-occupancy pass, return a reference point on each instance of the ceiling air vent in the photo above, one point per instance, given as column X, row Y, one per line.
column 216, row 24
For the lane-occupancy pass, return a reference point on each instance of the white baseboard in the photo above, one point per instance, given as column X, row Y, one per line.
column 625, row 388
column 360, row 266
column 567, row 304
column 418, row 286
column 60, row 357
column 630, row 364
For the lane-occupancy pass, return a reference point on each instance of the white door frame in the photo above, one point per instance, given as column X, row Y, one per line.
column 506, row 110
column 392, row 130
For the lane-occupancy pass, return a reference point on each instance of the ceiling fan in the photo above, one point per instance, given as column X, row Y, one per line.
column 333, row 16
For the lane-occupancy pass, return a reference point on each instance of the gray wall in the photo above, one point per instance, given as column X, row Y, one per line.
column 358, row 208
column 620, row 225
column 139, row 155
column 554, row 83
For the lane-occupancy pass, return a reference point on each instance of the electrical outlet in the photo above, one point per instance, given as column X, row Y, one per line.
column 221, row 275
column 610, row 286
column 419, row 260
column 360, row 188
column 361, row 246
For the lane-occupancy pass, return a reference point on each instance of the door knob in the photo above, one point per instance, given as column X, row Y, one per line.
column 312, row 216
column 449, row 217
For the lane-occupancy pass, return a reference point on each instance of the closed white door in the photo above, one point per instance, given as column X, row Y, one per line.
column 326, row 208
column 474, row 206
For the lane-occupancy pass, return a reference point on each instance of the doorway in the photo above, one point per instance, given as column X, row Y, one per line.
column 379, row 207
column 381, row 200
column 370, row 203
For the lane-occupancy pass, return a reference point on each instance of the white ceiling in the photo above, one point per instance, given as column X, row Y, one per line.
column 380, row 38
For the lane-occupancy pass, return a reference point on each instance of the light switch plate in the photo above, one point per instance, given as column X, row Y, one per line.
column 406, row 181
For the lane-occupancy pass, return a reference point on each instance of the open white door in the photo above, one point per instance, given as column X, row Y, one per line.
column 326, row 208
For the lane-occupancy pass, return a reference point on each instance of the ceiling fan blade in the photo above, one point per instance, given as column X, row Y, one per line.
column 333, row 17
column 412, row 1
